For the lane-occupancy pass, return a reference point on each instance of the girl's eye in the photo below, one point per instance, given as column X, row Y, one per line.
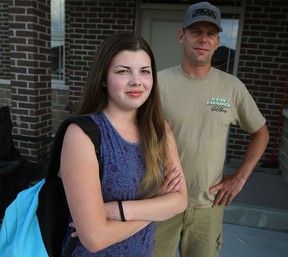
column 122, row 71
column 146, row 71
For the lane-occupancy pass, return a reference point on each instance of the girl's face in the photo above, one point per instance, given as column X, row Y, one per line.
column 129, row 80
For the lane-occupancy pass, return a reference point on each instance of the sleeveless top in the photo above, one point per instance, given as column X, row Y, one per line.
column 123, row 168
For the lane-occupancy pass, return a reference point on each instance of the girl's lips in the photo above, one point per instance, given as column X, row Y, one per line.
column 134, row 93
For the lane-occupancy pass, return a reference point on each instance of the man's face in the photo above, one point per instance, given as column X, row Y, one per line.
column 200, row 41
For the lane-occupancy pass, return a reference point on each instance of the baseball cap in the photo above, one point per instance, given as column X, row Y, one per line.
column 202, row 11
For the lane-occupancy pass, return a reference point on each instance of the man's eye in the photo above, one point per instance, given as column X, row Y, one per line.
column 194, row 31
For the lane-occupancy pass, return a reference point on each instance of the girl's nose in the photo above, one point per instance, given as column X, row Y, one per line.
column 134, row 80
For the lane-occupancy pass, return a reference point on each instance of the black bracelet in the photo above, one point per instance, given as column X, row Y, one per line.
column 121, row 211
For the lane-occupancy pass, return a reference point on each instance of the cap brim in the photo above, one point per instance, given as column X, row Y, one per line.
column 199, row 20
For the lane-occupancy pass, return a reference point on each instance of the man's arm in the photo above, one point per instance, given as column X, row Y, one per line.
column 233, row 184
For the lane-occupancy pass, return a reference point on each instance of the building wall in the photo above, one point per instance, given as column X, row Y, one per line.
column 263, row 60
column 4, row 41
column 263, row 67
column 26, row 63
column 283, row 151
column 88, row 23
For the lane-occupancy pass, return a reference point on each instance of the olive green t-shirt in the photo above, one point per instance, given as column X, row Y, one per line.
column 200, row 112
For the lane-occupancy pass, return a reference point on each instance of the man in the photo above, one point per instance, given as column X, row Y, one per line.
column 200, row 102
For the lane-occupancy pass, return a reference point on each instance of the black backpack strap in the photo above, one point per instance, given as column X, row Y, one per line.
column 91, row 129
column 89, row 126
column 71, row 246
column 53, row 211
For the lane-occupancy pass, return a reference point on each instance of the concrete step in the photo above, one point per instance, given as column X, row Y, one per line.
column 254, row 216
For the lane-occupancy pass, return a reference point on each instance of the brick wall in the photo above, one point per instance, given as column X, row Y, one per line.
column 283, row 150
column 263, row 63
column 263, row 66
column 4, row 41
column 88, row 23
column 29, row 46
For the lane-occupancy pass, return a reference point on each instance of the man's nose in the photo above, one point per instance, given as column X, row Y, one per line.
column 203, row 37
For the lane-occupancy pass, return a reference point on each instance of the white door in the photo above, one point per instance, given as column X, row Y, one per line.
column 159, row 27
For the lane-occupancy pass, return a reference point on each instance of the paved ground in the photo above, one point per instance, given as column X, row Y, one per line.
column 243, row 241
column 256, row 224
column 265, row 188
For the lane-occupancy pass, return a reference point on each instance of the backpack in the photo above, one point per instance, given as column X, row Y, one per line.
column 16, row 172
column 36, row 222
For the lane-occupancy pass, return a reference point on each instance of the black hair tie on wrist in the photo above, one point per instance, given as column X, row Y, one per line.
column 121, row 211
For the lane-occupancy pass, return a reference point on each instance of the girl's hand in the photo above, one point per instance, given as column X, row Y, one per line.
column 74, row 234
column 172, row 180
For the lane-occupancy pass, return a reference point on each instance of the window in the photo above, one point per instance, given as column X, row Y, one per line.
column 224, row 57
column 58, row 38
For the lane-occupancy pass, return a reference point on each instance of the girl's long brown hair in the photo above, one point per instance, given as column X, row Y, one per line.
column 149, row 116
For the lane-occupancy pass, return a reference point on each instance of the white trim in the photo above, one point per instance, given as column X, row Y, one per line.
column 55, row 84
column 5, row 82
column 58, row 84
column 285, row 113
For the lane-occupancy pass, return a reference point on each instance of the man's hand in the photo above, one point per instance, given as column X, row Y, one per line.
column 227, row 190
column 233, row 184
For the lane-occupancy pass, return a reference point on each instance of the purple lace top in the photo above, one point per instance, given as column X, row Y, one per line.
column 123, row 168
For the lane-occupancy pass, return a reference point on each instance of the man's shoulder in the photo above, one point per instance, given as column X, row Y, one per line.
column 169, row 70
column 168, row 76
column 224, row 74
column 226, row 77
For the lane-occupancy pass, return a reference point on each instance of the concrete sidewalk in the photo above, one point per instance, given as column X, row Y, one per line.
column 243, row 241
column 256, row 224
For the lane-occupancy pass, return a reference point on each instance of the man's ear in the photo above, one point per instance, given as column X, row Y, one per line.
column 218, row 42
column 180, row 36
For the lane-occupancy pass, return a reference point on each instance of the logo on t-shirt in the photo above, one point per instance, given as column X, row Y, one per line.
column 218, row 104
